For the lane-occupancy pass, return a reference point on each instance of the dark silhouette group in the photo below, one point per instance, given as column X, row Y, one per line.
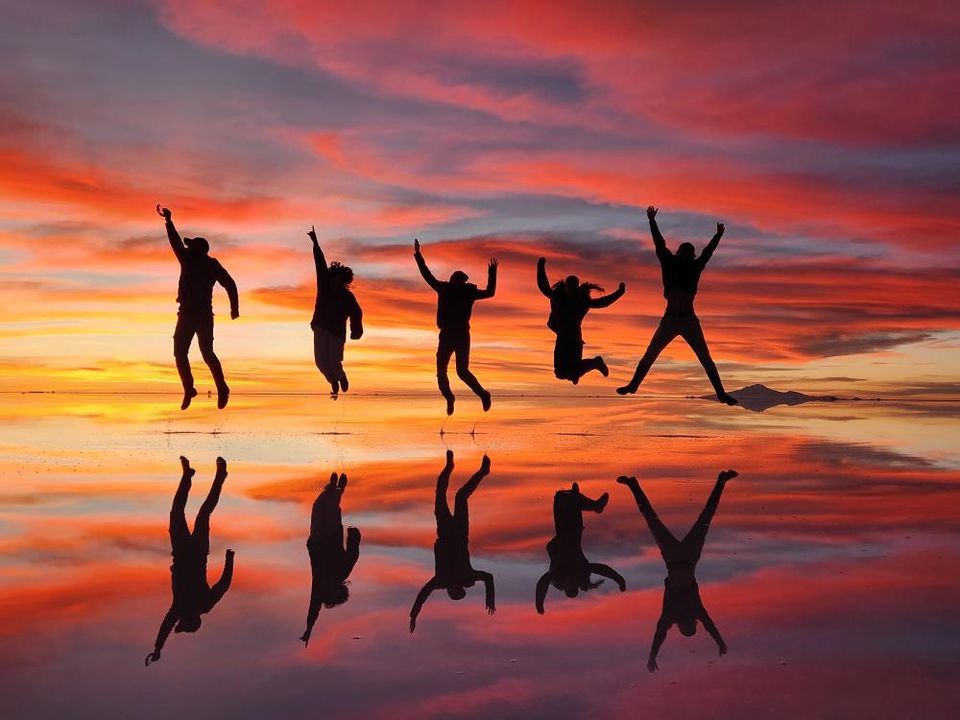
column 570, row 301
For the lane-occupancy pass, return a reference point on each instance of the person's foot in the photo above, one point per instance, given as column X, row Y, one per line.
column 185, row 465
column 188, row 396
column 628, row 481
column 221, row 469
column 602, row 366
column 485, row 464
column 450, row 458
column 335, row 387
column 344, row 383
column 486, row 399
column 223, row 397
column 602, row 502
column 727, row 398
column 628, row 389
column 450, row 401
column 342, row 483
column 727, row 475
column 575, row 380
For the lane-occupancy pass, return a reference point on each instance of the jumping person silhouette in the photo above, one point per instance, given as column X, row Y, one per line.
column 330, row 563
column 335, row 303
column 570, row 302
column 569, row 568
column 455, row 299
column 681, row 274
column 192, row 596
column 198, row 274
column 682, row 605
column 451, row 552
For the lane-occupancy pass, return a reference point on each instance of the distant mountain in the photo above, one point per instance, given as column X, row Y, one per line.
column 759, row 397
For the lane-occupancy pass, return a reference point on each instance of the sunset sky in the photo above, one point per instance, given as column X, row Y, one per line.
column 828, row 143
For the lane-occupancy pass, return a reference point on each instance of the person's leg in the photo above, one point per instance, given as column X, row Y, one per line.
column 585, row 503
column 462, row 350
column 661, row 535
column 664, row 334
column 201, row 526
column 693, row 334
column 594, row 363
column 182, row 337
column 440, row 508
column 205, row 341
column 321, row 358
column 467, row 489
column 336, row 358
column 693, row 542
column 179, row 532
column 444, row 352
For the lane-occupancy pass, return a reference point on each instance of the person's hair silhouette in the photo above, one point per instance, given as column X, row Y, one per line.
column 570, row 570
column 192, row 595
column 335, row 304
column 681, row 275
column 330, row 562
column 198, row 274
column 570, row 301
column 682, row 605
column 455, row 299
column 451, row 551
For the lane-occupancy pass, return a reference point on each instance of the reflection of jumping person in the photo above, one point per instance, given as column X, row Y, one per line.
column 681, row 275
column 330, row 563
column 192, row 596
column 682, row 605
column 455, row 300
column 335, row 303
column 569, row 568
column 198, row 274
column 570, row 302
column 451, row 552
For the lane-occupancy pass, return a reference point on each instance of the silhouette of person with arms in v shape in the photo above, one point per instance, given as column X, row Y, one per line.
column 681, row 276
column 455, row 298
column 198, row 274
column 335, row 304
column 682, row 605
column 570, row 301
column 192, row 595
column 451, row 552
column 570, row 570
column 330, row 562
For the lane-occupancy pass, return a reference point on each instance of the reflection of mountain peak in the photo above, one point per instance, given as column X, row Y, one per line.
column 759, row 397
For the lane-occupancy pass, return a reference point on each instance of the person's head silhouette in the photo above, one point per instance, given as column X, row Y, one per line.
column 572, row 284
column 456, row 592
column 340, row 274
column 197, row 245
column 458, row 277
column 188, row 624
column 336, row 595
column 686, row 251
column 687, row 628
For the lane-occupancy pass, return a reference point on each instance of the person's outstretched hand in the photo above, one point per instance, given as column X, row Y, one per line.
column 723, row 649
column 720, row 229
column 151, row 658
column 163, row 212
column 493, row 264
column 306, row 638
column 651, row 212
column 652, row 665
column 623, row 287
column 485, row 464
column 491, row 609
column 541, row 261
column 234, row 314
column 727, row 475
column 312, row 233
column 416, row 246
column 413, row 624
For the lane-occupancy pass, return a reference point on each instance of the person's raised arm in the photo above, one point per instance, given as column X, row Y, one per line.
column 490, row 290
column 490, row 598
column 176, row 242
column 313, row 612
column 223, row 277
column 543, row 584
column 166, row 627
column 658, row 242
column 608, row 572
column 422, row 596
column 712, row 245
column 608, row 300
column 658, row 637
column 223, row 584
column 422, row 265
column 319, row 261
column 542, row 282
column 712, row 629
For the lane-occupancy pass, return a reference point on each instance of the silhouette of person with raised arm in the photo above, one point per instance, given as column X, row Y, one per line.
column 198, row 274
column 335, row 304
column 681, row 275
column 570, row 301
column 451, row 552
column 330, row 562
column 682, row 605
column 455, row 298
column 570, row 570
column 192, row 595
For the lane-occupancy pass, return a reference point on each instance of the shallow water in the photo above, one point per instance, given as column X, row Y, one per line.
column 830, row 568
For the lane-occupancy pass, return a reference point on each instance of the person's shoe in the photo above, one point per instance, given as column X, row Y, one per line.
column 221, row 469
column 223, row 397
column 727, row 398
column 342, row 483
column 188, row 396
column 604, row 370
column 486, row 399
column 628, row 389
column 344, row 383
column 450, row 401
column 628, row 481
column 602, row 502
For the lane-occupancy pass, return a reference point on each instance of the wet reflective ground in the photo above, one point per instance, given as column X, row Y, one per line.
column 829, row 573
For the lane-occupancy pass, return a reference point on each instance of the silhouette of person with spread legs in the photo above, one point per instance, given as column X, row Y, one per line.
column 451, row 552
column 570, row 302
column 335, row 304
column 569, row 568
column 682, row 605
column 330, row 562
column 455, row 299
column 681, row 274
column 192, row 596
column 198, row 274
